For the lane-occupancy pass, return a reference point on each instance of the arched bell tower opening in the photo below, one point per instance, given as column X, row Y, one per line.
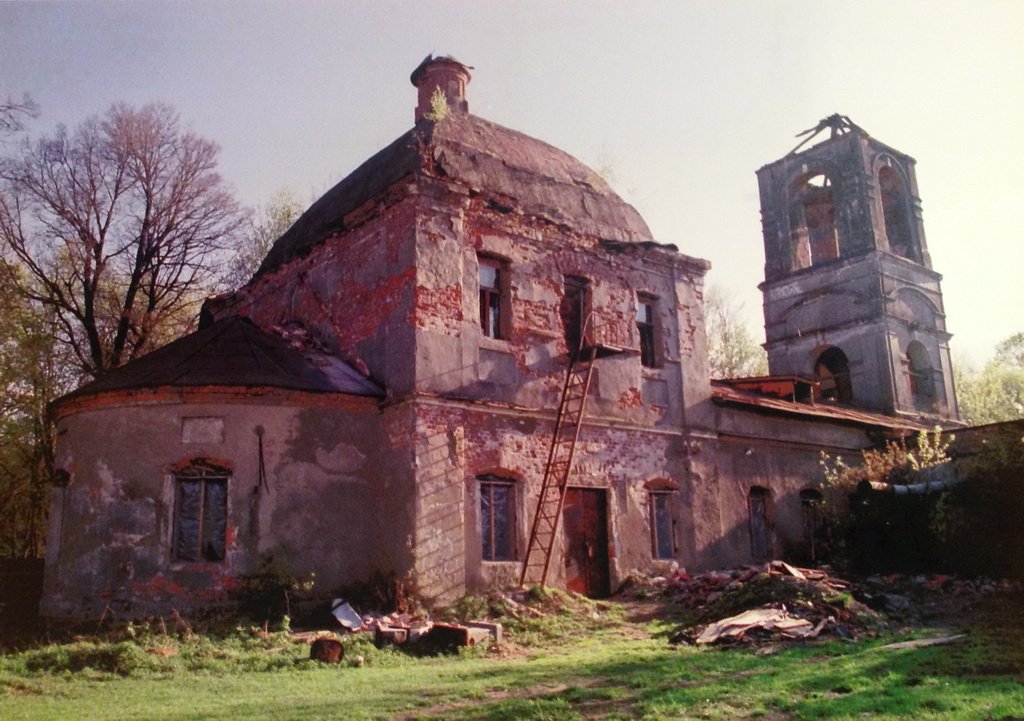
column 850, row 297
column 896, row 213
column 832, row 370
column 812, row 221
column 921, row 377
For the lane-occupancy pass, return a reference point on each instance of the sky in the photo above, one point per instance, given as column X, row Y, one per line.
column 677, row 103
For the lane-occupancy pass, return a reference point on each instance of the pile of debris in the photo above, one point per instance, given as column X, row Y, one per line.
column 415, row 630
column 770, row 601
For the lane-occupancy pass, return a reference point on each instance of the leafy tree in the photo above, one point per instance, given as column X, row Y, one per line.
column 264, row 225
column 116, row 229
column 732, row 350
column 32, row 372
column 997, row 392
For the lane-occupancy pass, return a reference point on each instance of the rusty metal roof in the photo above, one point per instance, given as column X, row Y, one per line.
column 234, row 353
column 723, row 393
column 521, row 173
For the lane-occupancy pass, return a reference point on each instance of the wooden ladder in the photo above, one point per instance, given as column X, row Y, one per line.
column 559, row 466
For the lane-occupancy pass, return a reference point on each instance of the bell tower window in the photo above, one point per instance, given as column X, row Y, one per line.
column 833, row 372
column 812, row 221
column 897, row 214
column 922, row 383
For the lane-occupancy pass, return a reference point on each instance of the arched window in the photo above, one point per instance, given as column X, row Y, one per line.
column 200, row 512
column 833, row 372
column 922, row 382
column 759, row 510
column 896, row 209
column 812, row 221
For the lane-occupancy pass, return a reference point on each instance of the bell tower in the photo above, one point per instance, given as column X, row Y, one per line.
column 850, row 296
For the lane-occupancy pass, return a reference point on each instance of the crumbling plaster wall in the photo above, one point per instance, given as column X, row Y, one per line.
column 321, row 508
column 780, row 454
column 852, row 163
column 872, row 307
column 354, row 293
column 526, row 367
column 457, row 443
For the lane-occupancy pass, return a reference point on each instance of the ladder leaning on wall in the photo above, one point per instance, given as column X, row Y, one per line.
column 560, row 460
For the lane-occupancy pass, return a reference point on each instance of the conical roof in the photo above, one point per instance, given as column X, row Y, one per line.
column 233, row 353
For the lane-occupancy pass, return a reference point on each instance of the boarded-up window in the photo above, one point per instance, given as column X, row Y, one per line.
column 201, row 516
column 497, row 518
column 662, row 525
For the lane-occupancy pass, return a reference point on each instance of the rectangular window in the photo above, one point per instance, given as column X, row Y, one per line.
column 574, row 311
column 492, row 297
column 201, row 518
column 662, row 526
column 645, row 325
column 497, row 519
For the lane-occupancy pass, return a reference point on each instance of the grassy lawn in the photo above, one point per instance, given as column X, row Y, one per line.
column 578, row 664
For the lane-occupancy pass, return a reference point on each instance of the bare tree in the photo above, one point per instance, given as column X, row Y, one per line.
column 116, row 228
column 14, row 113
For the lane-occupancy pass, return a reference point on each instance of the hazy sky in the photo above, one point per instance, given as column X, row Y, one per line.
column 683, row 101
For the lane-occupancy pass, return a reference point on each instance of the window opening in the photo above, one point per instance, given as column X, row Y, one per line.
column 813, row 221
column 574, row 312
column 922, row 382
column 833, row 372
column 497, row 518
column 645, row 326
column 810, row 508
column 662, row 525
column 201, row 516
column 492, row 280
column 896, row 213
column 760, row 524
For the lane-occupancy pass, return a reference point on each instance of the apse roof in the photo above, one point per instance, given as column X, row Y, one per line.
column 234, row 353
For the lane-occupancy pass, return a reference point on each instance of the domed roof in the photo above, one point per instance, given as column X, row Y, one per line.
column 517, row 171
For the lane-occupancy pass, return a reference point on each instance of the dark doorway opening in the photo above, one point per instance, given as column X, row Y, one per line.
column 585, row 516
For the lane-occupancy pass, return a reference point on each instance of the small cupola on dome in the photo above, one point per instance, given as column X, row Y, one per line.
column 443, row 73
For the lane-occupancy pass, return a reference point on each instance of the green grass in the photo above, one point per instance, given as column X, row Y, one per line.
column 601, row 666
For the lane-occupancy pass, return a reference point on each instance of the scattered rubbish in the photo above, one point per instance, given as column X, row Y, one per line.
column 346, row 615
column 773, row 600
column 413, row 630
column 764, row 619
column 922, row 642
column 776, row 601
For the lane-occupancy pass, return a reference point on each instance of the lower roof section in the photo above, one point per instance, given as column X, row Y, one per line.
column 232, row 353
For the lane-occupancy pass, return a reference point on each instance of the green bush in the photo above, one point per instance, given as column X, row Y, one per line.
column 123, row 659
column 267, row 594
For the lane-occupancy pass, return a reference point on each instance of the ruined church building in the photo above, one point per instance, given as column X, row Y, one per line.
column 470, row 360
